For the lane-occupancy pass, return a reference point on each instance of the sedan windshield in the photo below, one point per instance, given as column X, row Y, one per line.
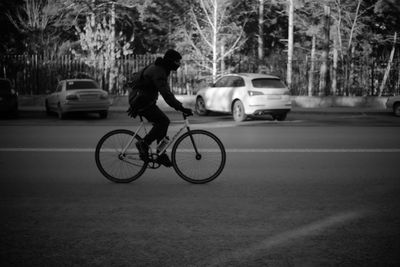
column 73, row 85
column 267, row 83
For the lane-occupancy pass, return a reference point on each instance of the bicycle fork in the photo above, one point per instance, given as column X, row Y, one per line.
column 198, row 156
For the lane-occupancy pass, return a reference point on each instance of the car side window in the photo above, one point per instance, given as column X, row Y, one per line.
column 230, row 81
column 237, row 82
column 223, row 82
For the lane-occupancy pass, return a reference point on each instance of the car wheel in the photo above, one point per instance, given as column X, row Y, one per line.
column 201, row 107
column 60, row 112
column 396, row 109
column 238, row 111
column 279, row 117
column 103, row 114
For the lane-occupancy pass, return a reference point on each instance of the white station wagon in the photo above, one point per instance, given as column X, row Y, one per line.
column 245, row 95
column 78, row 95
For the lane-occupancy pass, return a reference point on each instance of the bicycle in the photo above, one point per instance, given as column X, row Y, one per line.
column 197, row 156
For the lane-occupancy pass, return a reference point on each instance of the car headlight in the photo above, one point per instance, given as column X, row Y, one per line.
column 253, row 93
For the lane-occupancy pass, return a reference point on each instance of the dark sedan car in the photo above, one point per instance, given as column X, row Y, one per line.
column 8, row 99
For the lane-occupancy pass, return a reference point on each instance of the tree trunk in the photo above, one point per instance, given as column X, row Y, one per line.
column 351, row 71
column 214, row 41
column 312, row 67
column 222, row 57
column 354, row 25
column 261, row 34
column 324, row 71
column 389, row 65
column 290, row 46
column 112, row 70
column 334, row 69
column 350, row 53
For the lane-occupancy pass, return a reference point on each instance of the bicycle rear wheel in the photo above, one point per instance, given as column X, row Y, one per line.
column 113, row 164
column 198, row 156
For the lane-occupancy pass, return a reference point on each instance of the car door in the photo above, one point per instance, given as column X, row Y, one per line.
column 219, row 96
column 238, row 90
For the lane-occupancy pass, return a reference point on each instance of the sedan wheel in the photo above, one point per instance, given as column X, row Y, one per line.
column 238, row 111
column 201, row 107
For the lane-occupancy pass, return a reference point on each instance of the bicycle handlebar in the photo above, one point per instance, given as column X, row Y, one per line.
column 185, row 115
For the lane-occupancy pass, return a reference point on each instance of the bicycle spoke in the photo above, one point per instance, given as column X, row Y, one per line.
column 114, row 165
column 203, row 166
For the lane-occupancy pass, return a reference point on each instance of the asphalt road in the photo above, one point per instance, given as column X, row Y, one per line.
column 315, row 190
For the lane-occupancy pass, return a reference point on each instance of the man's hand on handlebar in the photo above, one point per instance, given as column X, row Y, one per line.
column 187, row 111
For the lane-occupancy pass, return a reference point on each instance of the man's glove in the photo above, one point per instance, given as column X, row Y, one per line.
column 186, row 111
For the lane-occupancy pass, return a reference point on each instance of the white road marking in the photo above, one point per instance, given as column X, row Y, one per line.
column 227, row 124
column 285, row 237
column 43, row 149
column 314, row 150
column 228, row 150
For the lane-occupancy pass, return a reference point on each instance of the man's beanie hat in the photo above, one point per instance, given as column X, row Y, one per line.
column 172, row 55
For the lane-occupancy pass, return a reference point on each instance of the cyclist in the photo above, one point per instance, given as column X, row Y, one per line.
column 156, row 79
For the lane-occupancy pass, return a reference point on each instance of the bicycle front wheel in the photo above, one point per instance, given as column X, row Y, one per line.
column 198, row 156
column 116, row 164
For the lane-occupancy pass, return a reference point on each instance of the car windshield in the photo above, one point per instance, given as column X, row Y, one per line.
column 267, row 83
column 73, row 85
column 5, row 86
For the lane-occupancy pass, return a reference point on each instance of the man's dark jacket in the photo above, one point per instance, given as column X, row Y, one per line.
column 155, row 80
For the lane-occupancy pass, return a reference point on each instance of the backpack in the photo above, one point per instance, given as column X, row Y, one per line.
column 136, row 87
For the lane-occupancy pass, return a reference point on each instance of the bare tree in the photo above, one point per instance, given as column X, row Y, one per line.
column 290, row 44
column 211, row 30
column 389, row 65
column 98, row 39
column 35, row 20
column 324, row 70
column 347, row 17
column 260, row 31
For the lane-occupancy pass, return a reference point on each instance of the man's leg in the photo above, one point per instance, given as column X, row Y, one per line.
column 160, row 123
column 160, row 128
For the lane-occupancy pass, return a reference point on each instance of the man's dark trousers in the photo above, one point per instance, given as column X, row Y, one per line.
column 160, row 123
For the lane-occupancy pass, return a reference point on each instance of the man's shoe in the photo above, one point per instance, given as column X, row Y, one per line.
column 164, row 160
column 143, row 150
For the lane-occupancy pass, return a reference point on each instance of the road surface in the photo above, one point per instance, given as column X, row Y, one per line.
column 314, row 190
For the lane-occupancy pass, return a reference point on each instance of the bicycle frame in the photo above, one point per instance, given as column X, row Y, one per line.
column 191, row 148
column 186, row 125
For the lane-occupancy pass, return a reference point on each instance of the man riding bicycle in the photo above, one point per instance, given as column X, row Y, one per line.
column 155, row 76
